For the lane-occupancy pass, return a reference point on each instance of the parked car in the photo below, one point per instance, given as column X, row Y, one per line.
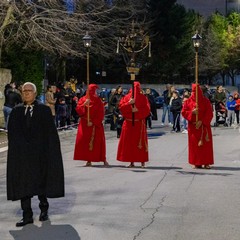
column 104, row 94
column 159, row 101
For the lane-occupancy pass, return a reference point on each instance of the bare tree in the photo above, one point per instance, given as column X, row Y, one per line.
column 57, row 26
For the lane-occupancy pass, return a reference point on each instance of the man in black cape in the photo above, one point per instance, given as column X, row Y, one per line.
column 34, row 164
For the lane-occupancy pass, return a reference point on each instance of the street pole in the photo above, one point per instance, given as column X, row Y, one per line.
column 196, row 80
column 88, row 80
column 196, row 43
column 87, row 40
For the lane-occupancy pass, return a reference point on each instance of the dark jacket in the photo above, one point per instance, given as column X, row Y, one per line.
column 176, row 105
column 34, row 161
column 67, row 94
column 220, row 97
column 62, row 110
column 12, row 98
column 166, row 97
column 115, row 100
column 152, row 106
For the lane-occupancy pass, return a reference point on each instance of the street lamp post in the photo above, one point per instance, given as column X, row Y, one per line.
column 87, row 41
column 196, row 43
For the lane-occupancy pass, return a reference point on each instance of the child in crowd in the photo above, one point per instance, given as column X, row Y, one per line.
column 62, row 112
column 186, row 95
column 237, row 108
column 176, row 108
column 231, row 104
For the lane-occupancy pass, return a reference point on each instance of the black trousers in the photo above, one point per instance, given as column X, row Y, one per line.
column 149, row 121
column 176, row 121
column 237, row 115
column 27, row 209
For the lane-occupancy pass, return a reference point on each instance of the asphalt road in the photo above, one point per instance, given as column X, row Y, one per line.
column 165, row 201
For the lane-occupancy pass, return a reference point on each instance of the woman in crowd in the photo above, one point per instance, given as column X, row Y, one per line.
column 117, row 116
column 153, row 108
column 237, row 108
column 176, row 107
column 50, row 100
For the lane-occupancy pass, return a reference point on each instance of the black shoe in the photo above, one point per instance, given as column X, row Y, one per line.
column 24, row 222
column 43, row 216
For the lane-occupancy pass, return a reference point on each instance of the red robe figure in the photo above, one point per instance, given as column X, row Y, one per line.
column 133, row 143
column 90, row 143
column 200, row 142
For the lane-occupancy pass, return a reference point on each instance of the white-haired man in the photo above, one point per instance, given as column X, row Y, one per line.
column 34, row 164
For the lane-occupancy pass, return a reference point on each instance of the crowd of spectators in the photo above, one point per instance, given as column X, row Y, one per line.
column 62, row 98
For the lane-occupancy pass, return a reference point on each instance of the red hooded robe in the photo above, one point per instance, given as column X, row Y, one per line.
column 200, row 144
column 90, row 141
column 133, row 143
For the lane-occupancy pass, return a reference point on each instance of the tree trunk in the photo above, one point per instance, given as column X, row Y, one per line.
column 232, row 76
column 223, row 78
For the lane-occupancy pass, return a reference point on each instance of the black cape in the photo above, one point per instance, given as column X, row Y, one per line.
column 34, row 161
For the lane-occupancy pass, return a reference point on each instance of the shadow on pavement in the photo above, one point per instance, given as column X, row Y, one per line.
column 136, row 168
column 138, row 171
column 46, row 231
column 204, row 173
column 155, row 135
column 226, row 168
column 163, row 168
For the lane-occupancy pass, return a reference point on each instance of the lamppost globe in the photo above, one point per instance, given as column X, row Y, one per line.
column 196, row 40
column 87, row 40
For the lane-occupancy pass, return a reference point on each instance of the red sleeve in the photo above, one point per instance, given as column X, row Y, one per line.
column 80, row 108
column 187, row 111
column 143, row 107
column 142, row 104
column 97, row 112
column 125, row 107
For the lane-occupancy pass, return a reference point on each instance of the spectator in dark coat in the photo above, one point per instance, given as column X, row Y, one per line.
column 67, row 93
column 62, row 111
column 176, row 108
column 153, row 108
column 117, row 116
column 12, row 98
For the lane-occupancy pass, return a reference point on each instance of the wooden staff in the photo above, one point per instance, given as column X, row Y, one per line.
column 88, row 110
column 133, row 105
column 196, row 80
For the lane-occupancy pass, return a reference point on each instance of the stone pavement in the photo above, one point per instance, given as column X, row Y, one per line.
column 165, row 201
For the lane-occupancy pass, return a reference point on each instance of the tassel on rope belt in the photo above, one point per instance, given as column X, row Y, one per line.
column 143, row 126
column 200, row 142
column 92, row 136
